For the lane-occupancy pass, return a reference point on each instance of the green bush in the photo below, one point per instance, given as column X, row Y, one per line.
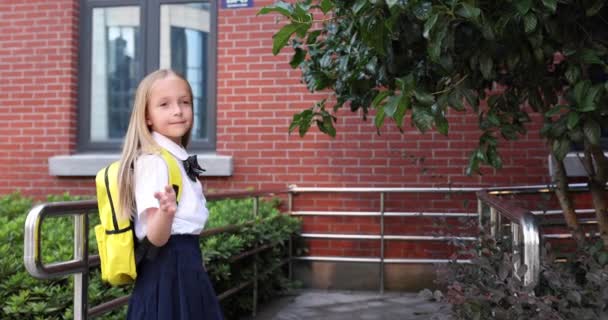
column 490, row 287
column 25, row 297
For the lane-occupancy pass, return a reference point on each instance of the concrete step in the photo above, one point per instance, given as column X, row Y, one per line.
column 351, row 305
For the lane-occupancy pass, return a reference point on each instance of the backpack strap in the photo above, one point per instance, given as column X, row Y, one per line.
column 107, row 197
column 144, row 248
column 175, row 175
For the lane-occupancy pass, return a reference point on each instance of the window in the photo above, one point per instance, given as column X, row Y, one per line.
column 121, row 42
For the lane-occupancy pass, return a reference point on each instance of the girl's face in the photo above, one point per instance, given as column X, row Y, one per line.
column 169, row 110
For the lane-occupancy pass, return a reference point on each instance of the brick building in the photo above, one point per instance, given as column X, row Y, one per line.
column 69, row 69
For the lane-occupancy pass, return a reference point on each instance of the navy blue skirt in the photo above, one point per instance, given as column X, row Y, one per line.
column 174, row 285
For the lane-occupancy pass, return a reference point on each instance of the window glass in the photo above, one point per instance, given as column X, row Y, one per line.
column 114, row 56
column 183, row 45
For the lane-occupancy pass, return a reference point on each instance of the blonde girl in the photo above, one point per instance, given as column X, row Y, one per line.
column 171, row 282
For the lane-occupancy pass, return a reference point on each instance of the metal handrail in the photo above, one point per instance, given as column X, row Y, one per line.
column 540, row 188
column 529, row 229
column 80, row 264
column 524, row 231
column 82, row 261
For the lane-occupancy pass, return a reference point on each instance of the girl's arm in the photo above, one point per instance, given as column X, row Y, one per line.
column 159, row 220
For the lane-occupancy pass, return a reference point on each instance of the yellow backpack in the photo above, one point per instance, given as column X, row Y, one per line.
column 119, row 251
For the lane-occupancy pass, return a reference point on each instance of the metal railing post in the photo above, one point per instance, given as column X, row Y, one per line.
column 494, row 223
column 515, row 245
column 382, row 243
column 81, row 279
column 524, row 232
column 256, row 209
column 290, row 244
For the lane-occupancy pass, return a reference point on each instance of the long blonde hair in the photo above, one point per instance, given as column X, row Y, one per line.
column 138, row 139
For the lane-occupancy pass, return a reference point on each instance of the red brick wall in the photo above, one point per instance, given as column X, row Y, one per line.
column 38, row 68
column 257, row 96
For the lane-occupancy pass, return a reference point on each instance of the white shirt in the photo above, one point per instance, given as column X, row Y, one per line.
column 152, row 175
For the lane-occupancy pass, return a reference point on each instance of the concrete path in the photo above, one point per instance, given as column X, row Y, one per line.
column 352, row 305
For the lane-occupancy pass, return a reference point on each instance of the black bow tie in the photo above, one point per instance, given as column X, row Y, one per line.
column 193, row 170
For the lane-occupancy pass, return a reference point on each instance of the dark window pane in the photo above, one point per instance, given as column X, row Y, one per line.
column 113, row 80
column 184, row 48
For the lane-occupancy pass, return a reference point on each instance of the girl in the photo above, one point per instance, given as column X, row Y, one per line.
column 173, row 283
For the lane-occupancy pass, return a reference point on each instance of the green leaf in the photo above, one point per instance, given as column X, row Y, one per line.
column 422, row 10
column 441, row 123
column 523, row 6
column 589, row 100
column 312, row 36
column 572, row 120
column 493, row 119
column 422, row 118
column 379, row 118
column 455, row 99
column 535, row 100
column 326, row 6
column 595, row 8
column 391, row 3
column 592, row 132
column 406, row 84
column 580, row 90
column 297, row 58
column 573, row 74
column 561, row 149
column 295, row 122
column 509, row 132
column 486, row 65
column 555, row 110
column 550, row 4
column 326, row 125
column 424, row 97
column 404, row 104
column 391, row 105
column 472, row 98
column 530, row 22
column 428, row 25
column 360, row 4
column 467, row 11
column 473, row 162
column 590, row 56
column 494, row 158
column 281, row 7
column 282, row 37
column 435, row 43
column 487, row 31
column 512, row 60
column 305, row 121
column 379, row 98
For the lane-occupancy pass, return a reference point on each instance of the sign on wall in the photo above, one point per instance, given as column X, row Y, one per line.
column 231, row 4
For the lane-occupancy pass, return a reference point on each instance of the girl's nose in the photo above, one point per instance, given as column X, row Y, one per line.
column 176, row 108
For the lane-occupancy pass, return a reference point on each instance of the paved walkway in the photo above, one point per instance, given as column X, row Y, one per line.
column 352, row 305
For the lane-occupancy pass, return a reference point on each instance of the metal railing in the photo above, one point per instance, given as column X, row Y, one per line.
column 382, row 236
column 524, row 228
column 498, row 214
column 81, row 263
column 522, row 225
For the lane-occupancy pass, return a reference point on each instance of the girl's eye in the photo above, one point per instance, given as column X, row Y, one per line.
column 186, row 102
column 164, row 104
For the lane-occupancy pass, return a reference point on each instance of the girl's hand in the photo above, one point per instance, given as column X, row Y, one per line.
column 166, row 200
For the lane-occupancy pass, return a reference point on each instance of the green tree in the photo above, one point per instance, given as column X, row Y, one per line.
column 416, row 59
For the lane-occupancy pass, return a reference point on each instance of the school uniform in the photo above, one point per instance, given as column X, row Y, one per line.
column 173, row 284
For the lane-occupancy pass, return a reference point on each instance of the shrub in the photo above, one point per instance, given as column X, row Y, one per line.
column 25, row 297
column 490, row 287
